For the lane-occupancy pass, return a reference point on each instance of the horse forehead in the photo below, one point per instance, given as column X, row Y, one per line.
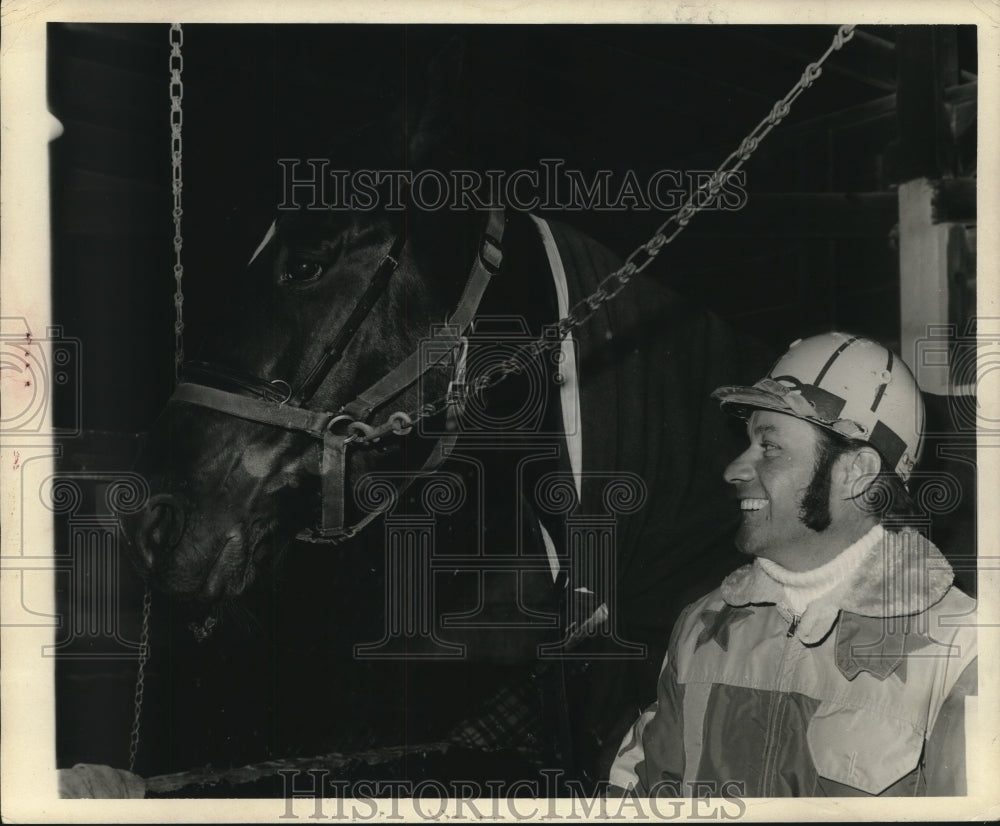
column 305, row 227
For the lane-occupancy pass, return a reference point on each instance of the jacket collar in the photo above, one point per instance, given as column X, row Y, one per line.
column 903, row 575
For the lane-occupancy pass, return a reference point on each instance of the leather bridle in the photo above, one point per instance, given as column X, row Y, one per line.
column 276, row 403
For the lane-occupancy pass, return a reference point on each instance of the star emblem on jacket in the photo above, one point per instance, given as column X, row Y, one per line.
column 717, row 624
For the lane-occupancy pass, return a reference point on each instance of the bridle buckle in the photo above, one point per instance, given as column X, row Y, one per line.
column 491, row 254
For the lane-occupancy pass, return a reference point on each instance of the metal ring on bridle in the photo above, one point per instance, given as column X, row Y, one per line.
column 337, row 420
column 286, row 385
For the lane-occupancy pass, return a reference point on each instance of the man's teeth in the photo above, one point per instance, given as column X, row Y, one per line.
column 752, row 504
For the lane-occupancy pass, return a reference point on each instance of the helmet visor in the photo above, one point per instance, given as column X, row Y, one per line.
column 805, row 402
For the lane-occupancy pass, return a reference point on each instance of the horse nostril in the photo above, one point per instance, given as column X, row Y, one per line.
column 159, row 527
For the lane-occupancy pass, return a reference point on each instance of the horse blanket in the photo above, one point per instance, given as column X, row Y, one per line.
column 636, row 403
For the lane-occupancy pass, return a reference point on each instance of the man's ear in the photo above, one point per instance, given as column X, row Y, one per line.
column 857, row 470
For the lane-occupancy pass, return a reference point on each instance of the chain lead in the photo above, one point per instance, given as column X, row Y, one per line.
column 140, row 679
column 176, row 154
column 643, row 255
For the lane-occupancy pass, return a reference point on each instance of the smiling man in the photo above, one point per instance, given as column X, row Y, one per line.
column 840, row 661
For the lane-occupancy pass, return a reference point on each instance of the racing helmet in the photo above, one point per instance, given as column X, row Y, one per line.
column 847, row 384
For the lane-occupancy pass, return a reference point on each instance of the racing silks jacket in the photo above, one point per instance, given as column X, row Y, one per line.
column 865, row 693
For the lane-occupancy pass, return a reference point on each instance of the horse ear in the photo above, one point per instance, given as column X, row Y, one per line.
column 434, row 132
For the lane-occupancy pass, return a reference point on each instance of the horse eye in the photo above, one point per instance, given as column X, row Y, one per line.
column 300, row 270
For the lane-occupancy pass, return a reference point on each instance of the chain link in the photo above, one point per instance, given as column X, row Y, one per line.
column 177, row 182
column 644, row 255
column 140, row 679
column 176, row 157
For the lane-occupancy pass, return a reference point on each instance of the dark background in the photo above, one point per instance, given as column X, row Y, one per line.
column 814, row 249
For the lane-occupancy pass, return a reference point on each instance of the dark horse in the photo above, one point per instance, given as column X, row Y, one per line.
column 585, row 488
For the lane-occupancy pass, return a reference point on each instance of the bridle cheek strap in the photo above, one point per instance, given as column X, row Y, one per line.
column 335, row 350
column 489, row 257
column 332, row 474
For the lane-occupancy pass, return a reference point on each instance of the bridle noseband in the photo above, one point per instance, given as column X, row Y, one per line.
column 275, row 403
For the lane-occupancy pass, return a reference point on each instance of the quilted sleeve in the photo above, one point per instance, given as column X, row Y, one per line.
column 652, row 751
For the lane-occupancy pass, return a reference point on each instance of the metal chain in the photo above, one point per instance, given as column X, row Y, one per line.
column 616, row 281
column 140, row 679
column 176, row 150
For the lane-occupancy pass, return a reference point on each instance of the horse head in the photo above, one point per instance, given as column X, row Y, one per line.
column 331, row 302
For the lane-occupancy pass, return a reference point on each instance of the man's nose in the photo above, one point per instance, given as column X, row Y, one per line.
column 740, row 469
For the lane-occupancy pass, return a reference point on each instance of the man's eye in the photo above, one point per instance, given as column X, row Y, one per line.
column 769, row 446
column 300, row 270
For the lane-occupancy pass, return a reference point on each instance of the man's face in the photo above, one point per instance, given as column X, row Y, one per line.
column 770, row 478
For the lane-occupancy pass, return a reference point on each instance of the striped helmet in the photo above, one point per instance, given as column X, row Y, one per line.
column 850, row 385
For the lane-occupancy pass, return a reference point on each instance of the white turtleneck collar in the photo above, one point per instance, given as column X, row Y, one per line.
column 803, row 587
column 884, row 574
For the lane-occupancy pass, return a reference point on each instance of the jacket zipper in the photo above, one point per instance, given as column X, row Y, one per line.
column 774, row 714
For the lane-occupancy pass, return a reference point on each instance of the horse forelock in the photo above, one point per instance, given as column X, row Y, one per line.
column 263, row 243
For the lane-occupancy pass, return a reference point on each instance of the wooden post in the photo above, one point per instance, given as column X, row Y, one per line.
column 923, row 283
column 927, row 65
